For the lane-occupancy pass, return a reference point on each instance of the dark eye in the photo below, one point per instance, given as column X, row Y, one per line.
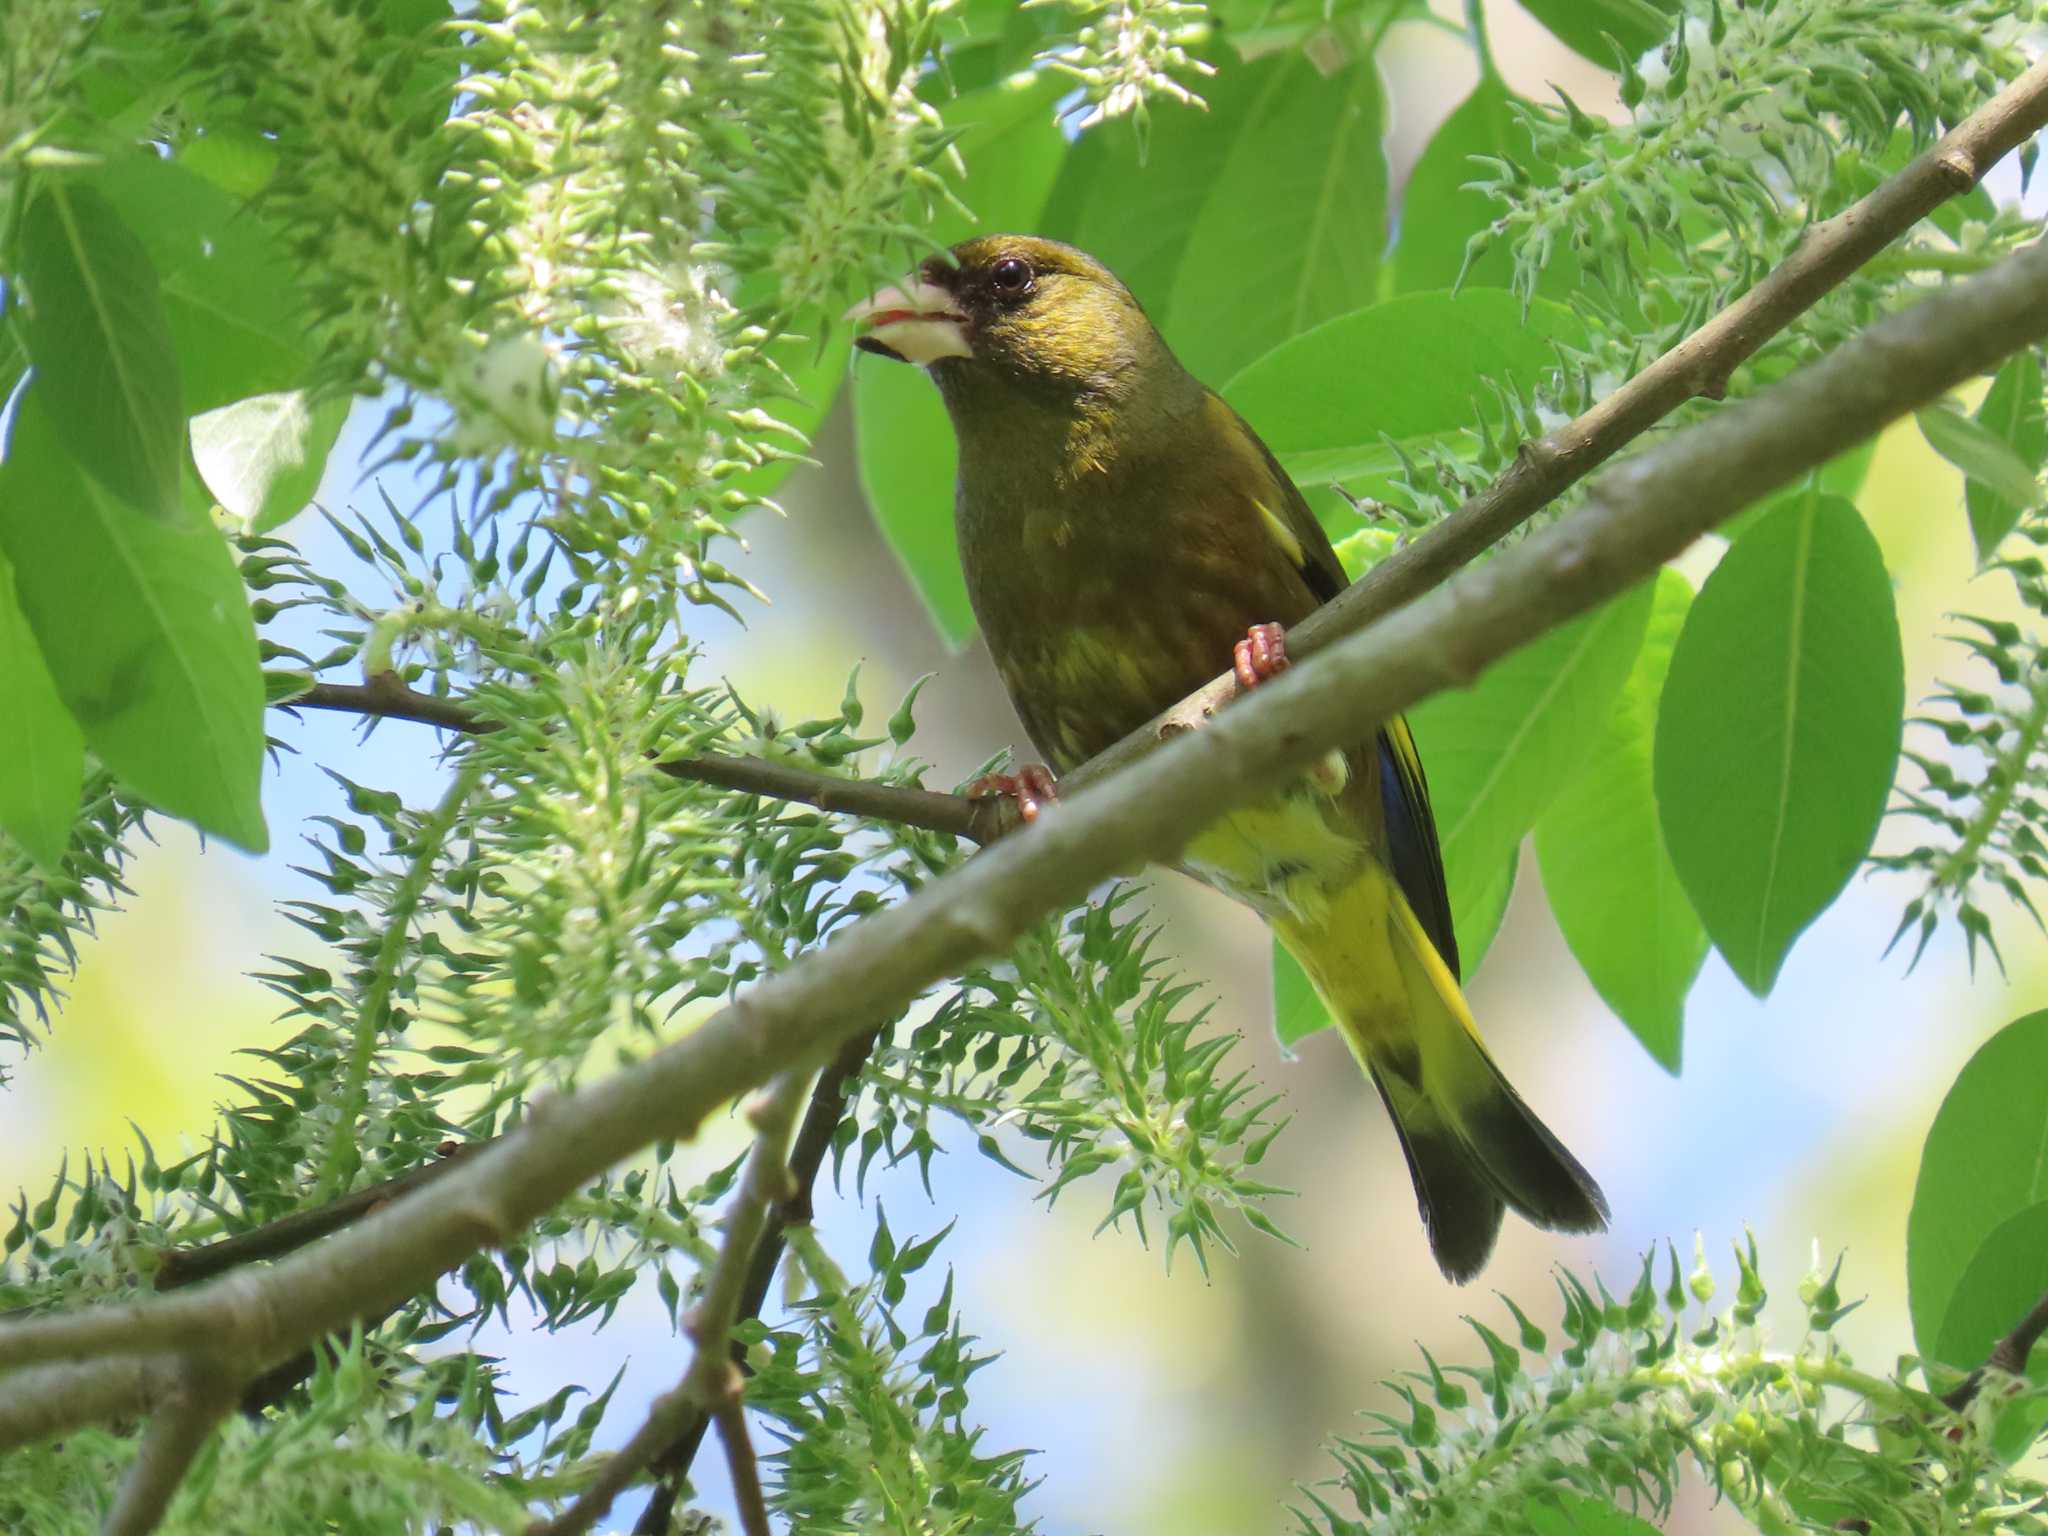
column 1011, row 277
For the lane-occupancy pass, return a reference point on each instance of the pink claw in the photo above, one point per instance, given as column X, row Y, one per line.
column 1032, row 786
column 1260, row 656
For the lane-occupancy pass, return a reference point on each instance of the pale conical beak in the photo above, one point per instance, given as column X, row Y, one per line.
column 913, row 322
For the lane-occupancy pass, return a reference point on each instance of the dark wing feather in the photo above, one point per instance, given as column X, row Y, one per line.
column 1412, row 851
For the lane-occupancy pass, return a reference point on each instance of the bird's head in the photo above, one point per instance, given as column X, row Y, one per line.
column 1018, row 313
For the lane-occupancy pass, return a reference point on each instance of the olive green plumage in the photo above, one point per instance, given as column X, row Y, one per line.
column 1121, row 528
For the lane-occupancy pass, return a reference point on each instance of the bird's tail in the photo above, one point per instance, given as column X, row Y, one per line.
column 1473, row 1146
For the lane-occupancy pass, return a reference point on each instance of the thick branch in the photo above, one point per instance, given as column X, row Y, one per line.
column 53, row 1400
column 978, row 820
column 175, row 1435
column 711, row 1384
column 1642, row 513
column 1545, row 469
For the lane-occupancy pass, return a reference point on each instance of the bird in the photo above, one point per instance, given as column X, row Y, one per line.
column 1125, row 535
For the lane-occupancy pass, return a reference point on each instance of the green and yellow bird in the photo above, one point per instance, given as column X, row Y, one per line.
column 1125, row 536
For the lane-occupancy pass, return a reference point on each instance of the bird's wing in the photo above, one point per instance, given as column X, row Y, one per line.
column 1412, row 851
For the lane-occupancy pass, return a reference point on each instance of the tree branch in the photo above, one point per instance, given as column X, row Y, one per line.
column 2009, row 1355
column 187, row 1266
column 711, row 1384
column 176, row 1434
column 1701, row 364
column 1642, row 513
column 742, row 1467
column 1545, row 469
column 979, row 820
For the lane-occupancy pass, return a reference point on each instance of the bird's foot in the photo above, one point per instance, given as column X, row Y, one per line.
column 1260, row 656
column 1032, row 786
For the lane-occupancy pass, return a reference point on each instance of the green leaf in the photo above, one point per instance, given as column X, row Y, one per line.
column 1980, row 453
column 230, row 292
column 1559, row 1513
column 1498, row 752
column 101, row 347
column 1297, row 1011
column 1981, row 1166
column 1439, row 215
column 2004, row 1278
column 262, row 457
column 1329, row 417
column 1013, row 151
column 1616, row 896
column 1778, row 731
column 1136, row 215
column 2012, row 413
column 43, row 768
column 1291, row 230
column 146, row 630
column 1583, row 25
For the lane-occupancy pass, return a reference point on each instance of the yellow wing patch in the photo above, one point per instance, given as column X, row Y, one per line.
column 1283, row 535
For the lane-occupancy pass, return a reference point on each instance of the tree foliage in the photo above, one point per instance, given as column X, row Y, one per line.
column 581, row 265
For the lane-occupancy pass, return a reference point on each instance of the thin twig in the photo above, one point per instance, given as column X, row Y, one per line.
column 1636, row 517
column 744, row 1469
column 2009, row 1355
column 177, row 1432
column 177, row 1267
column 979, row 820
column 711, row 1383
column 828, row 1106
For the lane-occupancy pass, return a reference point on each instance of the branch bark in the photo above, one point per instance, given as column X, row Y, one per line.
column 711, row 1385
column 1545, row 469
column 1640, row 514
column 176, row 1434
column 385, row 696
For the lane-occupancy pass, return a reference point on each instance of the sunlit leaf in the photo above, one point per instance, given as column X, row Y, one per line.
column 1979, row 452
column 1499, row 752
column 1611, row 885
column 2012, row 413
column 1585, row 25
column 146, row 631
column 262, row 457
column 101, row 346
column 43, row 767
column 1981, row 1166
column 1778, row 730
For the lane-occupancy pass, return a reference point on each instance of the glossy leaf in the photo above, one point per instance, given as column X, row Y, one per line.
column 231, row 296
column 1584, row 25
column 1440, row 215
column 1497, row 753
column 145, row 629
column 1327, row 404
column 907, row 455
column 1611, row 884
column 2011, row 412
column 102, row 348
column 1778, row 731
column 2004, row 1278
column 1980, row 1167
column 262, row 458
column 43, row 768
column 1291, row 230
column 1980, row 453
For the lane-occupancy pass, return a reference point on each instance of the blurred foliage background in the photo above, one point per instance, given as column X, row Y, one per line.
column 1800, row 1115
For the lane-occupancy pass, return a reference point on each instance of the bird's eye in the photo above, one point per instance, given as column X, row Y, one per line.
column 1011, row 277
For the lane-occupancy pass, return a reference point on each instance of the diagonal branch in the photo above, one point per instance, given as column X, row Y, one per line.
column 2009, row 1355
column 711, row 1384
column 1639, row 515
column 177, row 1433
column 1545, row 469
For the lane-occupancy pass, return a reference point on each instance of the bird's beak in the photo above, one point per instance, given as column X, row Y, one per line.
column 914, row 322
